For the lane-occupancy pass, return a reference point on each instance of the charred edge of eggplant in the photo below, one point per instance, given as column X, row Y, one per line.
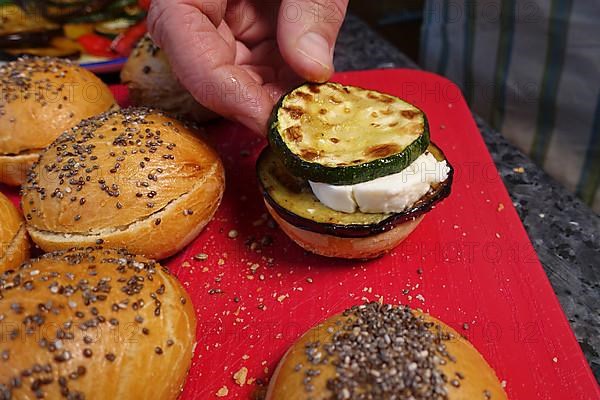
column 422, row 206
column 27, row 39
column 348, row 175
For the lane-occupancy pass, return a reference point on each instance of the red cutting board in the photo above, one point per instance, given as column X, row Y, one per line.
column 469, row 262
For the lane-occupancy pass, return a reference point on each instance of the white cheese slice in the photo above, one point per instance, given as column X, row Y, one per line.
column 388, row 194
column 335, row 197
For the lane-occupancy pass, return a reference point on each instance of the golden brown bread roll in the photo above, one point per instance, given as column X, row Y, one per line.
column 132, row 178
column 41, row 98
column 151, row 82
column 376, row 351
column 94, row 324
column 367, row 247
column 14, row 243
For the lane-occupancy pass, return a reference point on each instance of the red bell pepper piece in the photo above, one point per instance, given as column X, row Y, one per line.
column 126, row 41
column 144, row 4
column 96, row 45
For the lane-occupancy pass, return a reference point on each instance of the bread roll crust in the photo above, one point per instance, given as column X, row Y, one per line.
column 133, row 178
column 151, row 82
column 94, row 323
column 13, row 169
column 42, row 97
column 343, row 247
column 14, row 243
column 468, row 376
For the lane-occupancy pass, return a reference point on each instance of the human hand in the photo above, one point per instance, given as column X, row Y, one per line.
column 238, row 57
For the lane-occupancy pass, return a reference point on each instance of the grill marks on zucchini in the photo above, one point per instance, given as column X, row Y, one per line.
column 345, row 135
column 382, row 150
column 358, row 119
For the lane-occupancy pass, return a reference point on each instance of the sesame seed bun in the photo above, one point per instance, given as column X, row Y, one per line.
column 41, row 98
column 379, row 351
column 94, row 324
column 151, row 82
column 14, row 243
column 132, row 178
column 346, row 247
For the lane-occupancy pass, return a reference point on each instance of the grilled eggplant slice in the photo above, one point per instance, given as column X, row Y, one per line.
column 293, row 200
column 344, row 135
column 61, row 47
column 19, row 30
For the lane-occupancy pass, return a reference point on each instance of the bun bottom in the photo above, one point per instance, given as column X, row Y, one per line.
column 13, row 169
column 343, row 247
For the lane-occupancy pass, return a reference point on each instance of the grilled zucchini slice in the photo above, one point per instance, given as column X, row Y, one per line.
column 293, row 200
column 342, row 135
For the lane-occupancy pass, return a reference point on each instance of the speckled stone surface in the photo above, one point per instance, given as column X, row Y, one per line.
column 563, row 230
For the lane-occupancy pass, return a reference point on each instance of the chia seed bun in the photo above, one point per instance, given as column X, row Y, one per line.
column 133, row 178
column 94, row 324
column 378, row 351
column 40, row 98
column 151, row 82
column 14, row 243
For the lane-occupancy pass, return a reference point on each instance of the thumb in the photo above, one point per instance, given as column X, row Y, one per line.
column 306, row 33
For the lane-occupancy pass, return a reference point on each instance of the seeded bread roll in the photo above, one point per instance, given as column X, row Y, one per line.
column 376, row 351
column 132, row 178
column 94, row 324
column 14, row 243
column 152, row 83
column 41, row 98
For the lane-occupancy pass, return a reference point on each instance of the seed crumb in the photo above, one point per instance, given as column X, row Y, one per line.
column 240, row 376
column 519, row 170
column 232, row 234
column 201, row 257
column 282, row 297
column 224, row 391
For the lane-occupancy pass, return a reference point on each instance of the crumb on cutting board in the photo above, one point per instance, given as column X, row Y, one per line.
column 224, row 391
column 240, row 376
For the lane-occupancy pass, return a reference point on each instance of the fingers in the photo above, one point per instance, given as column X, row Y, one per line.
column 251, row 21
column 213, row 10
column 203, row 59
column 307, row 31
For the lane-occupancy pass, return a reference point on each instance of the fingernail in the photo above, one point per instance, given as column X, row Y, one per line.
column 316, row 48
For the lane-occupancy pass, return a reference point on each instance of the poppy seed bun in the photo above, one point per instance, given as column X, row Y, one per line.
column 94, row 324
column 41, row 98
column 151, row 82
column 367, row 247
column 132, row 178
column 14, row 243
column 377, row 351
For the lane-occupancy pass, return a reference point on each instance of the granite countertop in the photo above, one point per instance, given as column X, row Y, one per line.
column 563, row 230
